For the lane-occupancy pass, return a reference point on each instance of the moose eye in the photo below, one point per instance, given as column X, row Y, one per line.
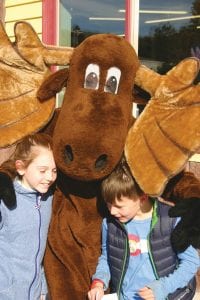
column 92, row 77
column 112, row 80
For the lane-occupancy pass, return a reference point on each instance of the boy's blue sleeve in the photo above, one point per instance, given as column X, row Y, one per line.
column 187, row 268
column 102, row 270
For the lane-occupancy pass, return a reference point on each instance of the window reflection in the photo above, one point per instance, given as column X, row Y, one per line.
column 169, row 31
column 86, row 17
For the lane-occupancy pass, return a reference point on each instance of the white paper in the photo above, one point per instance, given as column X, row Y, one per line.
column 110, row 297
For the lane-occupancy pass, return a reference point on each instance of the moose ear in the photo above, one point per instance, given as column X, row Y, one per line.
column 53, row 84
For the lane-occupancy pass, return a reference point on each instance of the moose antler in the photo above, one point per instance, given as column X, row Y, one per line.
column 24, row 65
column 167, row 132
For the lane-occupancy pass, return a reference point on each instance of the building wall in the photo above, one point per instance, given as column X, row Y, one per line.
column 26, row 10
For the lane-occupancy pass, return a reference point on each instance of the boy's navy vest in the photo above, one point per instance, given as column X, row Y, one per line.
column 164, row 257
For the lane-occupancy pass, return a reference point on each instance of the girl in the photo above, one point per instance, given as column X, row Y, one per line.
column 23, row 230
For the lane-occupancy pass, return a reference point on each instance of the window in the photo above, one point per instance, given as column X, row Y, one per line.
column 169, row 31
column 80, row 19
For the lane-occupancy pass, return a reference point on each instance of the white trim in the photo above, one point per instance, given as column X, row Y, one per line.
column 134, row 24
column 134, row 36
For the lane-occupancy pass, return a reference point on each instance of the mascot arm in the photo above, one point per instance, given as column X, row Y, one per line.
column 7, row 192
column 187, row 232
column 184, row 191
column 182, row 186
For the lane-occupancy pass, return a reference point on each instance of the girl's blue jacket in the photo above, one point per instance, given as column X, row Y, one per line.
column 23, row 235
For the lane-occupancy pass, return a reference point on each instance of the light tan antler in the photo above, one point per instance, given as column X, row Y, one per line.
column 23, row 67
column 35, row 52
column 167, row 132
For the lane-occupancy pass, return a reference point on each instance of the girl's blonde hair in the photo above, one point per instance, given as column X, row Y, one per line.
column 25, row 150
column 120, row 183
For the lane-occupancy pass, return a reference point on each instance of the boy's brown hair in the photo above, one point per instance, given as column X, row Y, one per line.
column 120, row 183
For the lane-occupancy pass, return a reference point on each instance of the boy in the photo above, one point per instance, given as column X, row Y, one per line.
column 137, row 257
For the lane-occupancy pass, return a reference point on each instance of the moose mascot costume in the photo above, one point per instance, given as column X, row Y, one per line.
column 91, row 132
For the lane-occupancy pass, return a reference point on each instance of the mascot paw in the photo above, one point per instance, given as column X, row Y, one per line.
column 7, row 192
column 187, row 232
column 180, row 209
column 188, row 208
column 179, row 238
column 194, row 234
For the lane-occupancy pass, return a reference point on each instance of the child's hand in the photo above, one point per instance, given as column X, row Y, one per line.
column 96, row 293
column 146, row 293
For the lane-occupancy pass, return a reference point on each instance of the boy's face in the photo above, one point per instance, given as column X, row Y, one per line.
column 125, row 209
column 40, row 173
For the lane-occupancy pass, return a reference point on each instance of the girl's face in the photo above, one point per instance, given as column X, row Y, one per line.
column 125, row 209
column 40, row 174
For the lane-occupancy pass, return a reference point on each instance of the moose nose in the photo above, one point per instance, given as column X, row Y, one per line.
column 101, row 162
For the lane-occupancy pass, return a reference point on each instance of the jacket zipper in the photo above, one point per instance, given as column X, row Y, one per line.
column 37, row 206
column 187, row 291
column 124, row 264
column 153, row 223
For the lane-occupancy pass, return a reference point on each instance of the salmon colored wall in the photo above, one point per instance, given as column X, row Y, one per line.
column 49, row 21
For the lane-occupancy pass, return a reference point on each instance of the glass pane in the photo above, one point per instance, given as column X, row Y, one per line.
column 169, row 31
column 79, row 19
